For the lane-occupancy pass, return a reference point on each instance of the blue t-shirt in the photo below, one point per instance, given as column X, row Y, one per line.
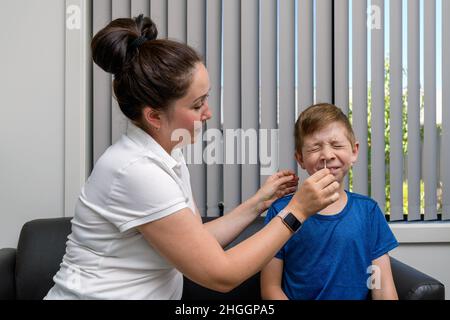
column 329, row 257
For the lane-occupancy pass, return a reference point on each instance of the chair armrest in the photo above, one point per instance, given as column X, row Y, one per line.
column 412, row 284
column 7, row 267
column 248, row 290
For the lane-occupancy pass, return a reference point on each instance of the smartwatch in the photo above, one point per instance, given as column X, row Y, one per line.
column 290, row 220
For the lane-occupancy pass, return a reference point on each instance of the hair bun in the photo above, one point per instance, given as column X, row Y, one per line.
column 110, row 46
column 146, row 27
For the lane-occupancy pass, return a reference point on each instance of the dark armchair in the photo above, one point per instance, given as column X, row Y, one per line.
column 26, row 272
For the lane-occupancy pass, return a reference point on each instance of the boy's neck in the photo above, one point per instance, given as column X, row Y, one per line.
column 337, row 206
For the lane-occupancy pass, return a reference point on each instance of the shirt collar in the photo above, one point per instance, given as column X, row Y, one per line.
column 145, row 140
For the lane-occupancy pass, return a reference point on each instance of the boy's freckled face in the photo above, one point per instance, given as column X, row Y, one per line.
column 328, row 147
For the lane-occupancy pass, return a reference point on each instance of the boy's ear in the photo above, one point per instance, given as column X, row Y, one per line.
column 299, row 158
column 355, row 152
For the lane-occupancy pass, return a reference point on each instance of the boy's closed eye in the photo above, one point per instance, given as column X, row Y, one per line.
column 313, row 149
column 316, row 148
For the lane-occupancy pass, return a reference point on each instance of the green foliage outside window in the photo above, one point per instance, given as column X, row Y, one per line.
column 387, row 102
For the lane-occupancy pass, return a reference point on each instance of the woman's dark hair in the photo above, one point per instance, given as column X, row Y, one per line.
column 147, row 71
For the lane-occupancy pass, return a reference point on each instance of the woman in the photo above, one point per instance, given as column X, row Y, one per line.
column 136, row 228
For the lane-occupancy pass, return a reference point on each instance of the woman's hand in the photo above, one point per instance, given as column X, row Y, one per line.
column 316, row 193
column 276, row 186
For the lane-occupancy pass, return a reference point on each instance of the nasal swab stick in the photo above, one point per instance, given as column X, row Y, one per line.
column 325, row 163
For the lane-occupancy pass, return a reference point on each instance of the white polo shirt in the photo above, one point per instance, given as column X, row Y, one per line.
column 135, row 182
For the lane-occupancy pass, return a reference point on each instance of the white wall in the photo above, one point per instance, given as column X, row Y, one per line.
column 44, row 110
column 31, row 113
column 430, row 258
column 426, row 247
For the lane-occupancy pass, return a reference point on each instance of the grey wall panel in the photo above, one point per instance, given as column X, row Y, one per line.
column 430, row 161
column 341, row 59
column 196, row 37
column 120, row 9
column 445, row 146
column 31, row 114
column 177, row 20
column 324, row 51
column 414, row 141
column 287, row 84
column 140, row 7
column 359, row 91
column 158, row 10
column 214, row 174
column 250, row 95
column 305, row 90
column 305, row 54
column 101, row 86
column 231, row 102
column 341, row 54
column 377, row 130
column 78, row 107
column 269, row 101
column 196, row 25
column 396, row 93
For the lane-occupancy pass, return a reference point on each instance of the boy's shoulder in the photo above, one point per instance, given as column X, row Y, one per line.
column 362, row 199
column 281, row 203
column 277, row 206
column 359, row 196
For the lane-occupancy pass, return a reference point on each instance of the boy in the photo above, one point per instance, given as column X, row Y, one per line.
column 335, row 251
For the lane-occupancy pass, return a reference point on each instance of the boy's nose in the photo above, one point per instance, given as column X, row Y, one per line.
column 327, row 154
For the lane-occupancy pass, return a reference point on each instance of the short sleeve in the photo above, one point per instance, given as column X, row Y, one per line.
column 141, row 193
column 382, row 239
column 271, row 213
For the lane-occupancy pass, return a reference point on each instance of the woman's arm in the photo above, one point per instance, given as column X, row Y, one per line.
column 271, row 276
column 186, row 243
column 192, row 249
column 386, row 289
column 228, row 227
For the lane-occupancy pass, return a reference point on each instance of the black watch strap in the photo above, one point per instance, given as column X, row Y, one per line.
column 290, row 220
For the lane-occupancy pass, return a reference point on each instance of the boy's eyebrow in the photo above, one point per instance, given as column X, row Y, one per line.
column 309, row 145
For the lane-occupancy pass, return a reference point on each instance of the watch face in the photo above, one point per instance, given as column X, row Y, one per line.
column 292, row 221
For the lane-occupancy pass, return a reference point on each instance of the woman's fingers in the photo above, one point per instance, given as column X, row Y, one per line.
column 276, row 186
column 331, row 199
column 326, row 181
column 285, row 173
column 317, row 192
column 331, row 192
column 331, row 188
column 289, row 190
column 319, row 175
column 289, row 180
column 284, row 190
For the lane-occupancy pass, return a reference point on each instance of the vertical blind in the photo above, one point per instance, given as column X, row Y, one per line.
column 270, row 59
column 359, row 93
column 413, row 159
column 445, row 140
column 396, row 92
